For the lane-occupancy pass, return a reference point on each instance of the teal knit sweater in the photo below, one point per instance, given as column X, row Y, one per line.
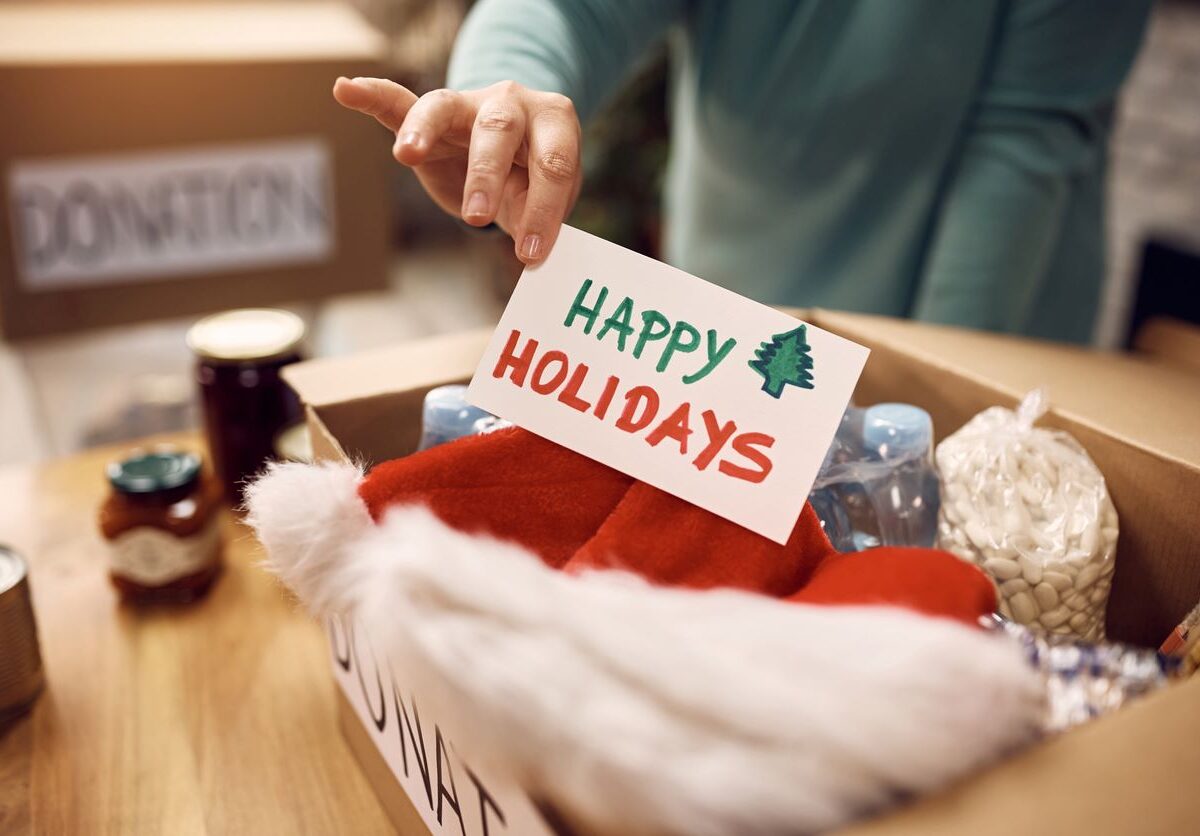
column 940, row 160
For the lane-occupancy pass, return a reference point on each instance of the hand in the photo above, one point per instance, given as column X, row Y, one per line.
column 504, row 153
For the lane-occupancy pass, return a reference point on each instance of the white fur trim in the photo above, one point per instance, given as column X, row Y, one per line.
column 307, row 516
column 642, row 710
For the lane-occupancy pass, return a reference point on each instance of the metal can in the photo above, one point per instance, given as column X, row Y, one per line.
column 244, row 400
column 20, row 660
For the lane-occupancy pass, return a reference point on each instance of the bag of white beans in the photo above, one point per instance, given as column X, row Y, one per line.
column 1030, row 507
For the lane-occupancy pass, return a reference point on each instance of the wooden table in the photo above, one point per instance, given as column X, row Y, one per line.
column 217, row 717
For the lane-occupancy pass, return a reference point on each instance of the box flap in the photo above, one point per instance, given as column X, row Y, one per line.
column 1150, row 405
column 419, row 364
column 369, row 404
column 86, row 33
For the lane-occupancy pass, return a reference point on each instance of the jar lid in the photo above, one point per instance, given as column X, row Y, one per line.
column 249, row 334
column 157, row 470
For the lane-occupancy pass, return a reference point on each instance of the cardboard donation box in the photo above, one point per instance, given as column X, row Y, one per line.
column 1135, row 416
column 168, row 159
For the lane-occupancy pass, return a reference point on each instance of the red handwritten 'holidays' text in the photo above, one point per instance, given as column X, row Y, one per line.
column 638, row 409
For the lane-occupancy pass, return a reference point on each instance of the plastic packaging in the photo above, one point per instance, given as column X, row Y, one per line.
column 878, row 484
column 1031, row 508
column 447, row 416
column 1086, row 680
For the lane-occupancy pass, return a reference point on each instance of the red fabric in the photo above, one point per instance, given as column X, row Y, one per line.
column 577, row 514
column 927, row 580
column 511, row 484
column 672, row 542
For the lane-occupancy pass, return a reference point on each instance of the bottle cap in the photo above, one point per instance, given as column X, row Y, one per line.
column 154, row 471
column 20, row 659
column 897, row 429
column 448, row 413
column 246, row 335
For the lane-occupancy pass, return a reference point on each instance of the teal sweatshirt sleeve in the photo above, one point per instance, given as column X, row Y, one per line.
column 1039, row 127
column 580, row 48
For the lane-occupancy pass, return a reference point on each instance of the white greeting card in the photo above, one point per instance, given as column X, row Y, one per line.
column 687, row 386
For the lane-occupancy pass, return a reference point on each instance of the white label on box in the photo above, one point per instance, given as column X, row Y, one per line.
column 96, row 220
column 410, row 732
column 721, row 401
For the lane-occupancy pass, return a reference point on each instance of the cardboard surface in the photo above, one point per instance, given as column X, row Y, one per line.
column 399, row 807
column 358, row 401
column 400, row 734
column 227, row 75
column 1125, row 773
column 1139, row 401
column 172, row 32
column 418, row 364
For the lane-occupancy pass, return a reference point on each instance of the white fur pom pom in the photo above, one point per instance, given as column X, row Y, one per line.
column 306, row 516
column 635, row 709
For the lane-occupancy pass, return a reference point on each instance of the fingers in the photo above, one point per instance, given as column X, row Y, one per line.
column 387, row 101
column 512, row 202
column 553, row 166
column 521, row 151
column 496, row 137
column 436, row 117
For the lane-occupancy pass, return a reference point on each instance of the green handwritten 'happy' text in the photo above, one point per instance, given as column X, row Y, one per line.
column 676, row 339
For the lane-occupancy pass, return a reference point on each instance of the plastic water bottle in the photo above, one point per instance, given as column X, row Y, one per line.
column 878, row 484
column 907, row 501
column 447, row 416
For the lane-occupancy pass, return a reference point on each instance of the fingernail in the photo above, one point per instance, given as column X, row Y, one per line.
column 531, row 246
column 477, row 205
column 412, row 139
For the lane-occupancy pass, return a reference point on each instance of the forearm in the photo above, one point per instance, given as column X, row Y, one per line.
column 1036, row 136
column 994, row 237
column 580, row 48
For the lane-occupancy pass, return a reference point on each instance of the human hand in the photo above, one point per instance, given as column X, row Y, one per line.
column 505, row 153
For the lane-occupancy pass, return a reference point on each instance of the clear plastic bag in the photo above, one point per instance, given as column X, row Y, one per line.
column 1031, row 508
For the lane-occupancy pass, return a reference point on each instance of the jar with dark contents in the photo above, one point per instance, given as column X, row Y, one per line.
column 244, row 400
column 162, row 523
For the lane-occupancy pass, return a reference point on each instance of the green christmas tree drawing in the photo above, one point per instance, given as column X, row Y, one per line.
column 783, row 360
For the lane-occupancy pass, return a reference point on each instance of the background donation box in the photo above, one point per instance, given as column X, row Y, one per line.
column 164, row 160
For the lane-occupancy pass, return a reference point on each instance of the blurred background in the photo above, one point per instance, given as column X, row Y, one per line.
column 285, row 200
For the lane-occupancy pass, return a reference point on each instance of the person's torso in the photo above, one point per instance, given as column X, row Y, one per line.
column 812, row 138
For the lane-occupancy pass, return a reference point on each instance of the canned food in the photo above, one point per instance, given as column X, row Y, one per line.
column 20, row 659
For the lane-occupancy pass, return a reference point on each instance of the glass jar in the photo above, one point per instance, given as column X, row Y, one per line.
column 244, row 400
column 162, row 523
